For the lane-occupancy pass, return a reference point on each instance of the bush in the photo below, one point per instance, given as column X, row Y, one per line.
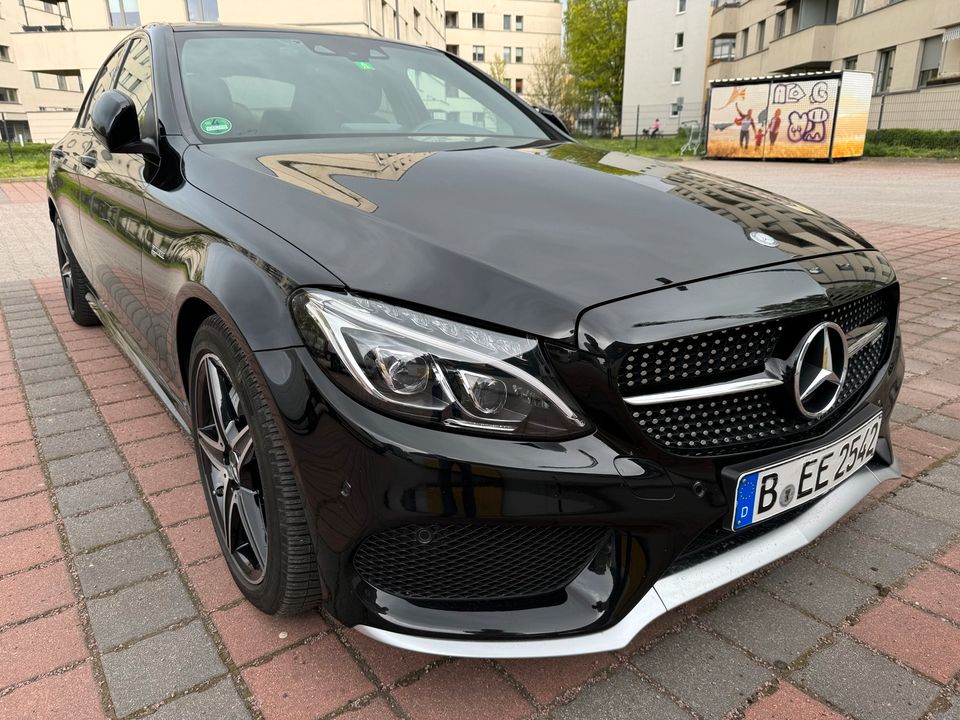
column 909, row 137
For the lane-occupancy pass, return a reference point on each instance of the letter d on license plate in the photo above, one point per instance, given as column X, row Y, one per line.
column 767, row 492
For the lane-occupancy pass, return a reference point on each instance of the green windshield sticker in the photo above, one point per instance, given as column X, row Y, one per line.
column 216, row 125
column 363, row 65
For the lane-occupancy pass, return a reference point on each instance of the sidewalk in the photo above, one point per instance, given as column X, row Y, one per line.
column 114, row 601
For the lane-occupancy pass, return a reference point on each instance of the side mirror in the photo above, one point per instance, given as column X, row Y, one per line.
column 115, row 124
column 552, row 117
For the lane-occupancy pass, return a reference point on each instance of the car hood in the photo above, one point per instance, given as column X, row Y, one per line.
column 522, row 238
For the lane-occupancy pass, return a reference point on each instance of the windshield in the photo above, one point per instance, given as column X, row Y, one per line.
column 260, row 85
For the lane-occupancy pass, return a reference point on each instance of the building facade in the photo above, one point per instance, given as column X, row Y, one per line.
column 911, row 46
column 20, row 90
column 53, row 40
column 514, row 32
column 663, row 74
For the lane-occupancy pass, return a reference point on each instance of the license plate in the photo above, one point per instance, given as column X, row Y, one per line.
column 765, row 493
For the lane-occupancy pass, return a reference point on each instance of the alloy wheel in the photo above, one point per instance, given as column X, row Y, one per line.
column 66, row 265
column 230, row 469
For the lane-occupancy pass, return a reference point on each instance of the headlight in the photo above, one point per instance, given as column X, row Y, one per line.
column 435, row 371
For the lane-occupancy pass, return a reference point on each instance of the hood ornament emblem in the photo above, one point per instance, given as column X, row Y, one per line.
column 761, row 238
column 820, row 368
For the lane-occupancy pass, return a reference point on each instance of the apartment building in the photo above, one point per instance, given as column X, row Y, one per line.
column 911, row 46
column 22, row 90
column 664, row 63
column 70, row 39
column 485, row 32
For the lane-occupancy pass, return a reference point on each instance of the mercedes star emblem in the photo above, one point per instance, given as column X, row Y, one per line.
column 761, row 238
column 820, row 368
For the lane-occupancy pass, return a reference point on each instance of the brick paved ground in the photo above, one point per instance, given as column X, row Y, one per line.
column 114, row 601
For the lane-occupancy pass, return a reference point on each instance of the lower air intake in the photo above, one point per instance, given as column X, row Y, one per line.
column 475, row 561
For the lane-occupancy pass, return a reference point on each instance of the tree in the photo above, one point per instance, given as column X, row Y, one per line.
column 596, row 42
column 550, row 82
column 498, row 68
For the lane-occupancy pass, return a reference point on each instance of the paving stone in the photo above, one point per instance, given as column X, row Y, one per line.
column 84, row 467
column 122, row 564
column 624, row 696
column 139, row 610
column 24, row 340
column 107, row 525
column 159, row 666
column 863, row 557
column 50, row 348
column 951, row 713
column 821, row 591
column 899, row 527
column 95, row 494
column 65, row 422
column 38, row 647
column 766, row 627
column 930, row 501
column 946, row 477
column 939, row 425
column 36, row 362
column 220, row 701
column 51, row 388
column 788, row 703
column 75, row 442
column 27, row 548
column 50, row 372
column 710, row 675
column 72, row 695
column 60, row 404
column 865, row 684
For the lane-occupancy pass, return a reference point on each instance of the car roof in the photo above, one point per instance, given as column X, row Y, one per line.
column 228, row 28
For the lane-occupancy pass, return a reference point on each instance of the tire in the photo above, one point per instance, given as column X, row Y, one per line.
column 277, row 573
column 75, row 283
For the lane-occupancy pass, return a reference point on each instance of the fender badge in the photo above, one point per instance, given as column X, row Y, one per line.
column 761, row 238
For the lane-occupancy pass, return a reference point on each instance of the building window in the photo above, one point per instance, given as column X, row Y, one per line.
column 416, row 20
column 857, row 7
column 8, row 95
column 724, row 48
column 477, row 21
column 519, row 86
column 850, row 63
column 681, row 7
column 885, row 69
column 518, row 53
column 761, row 31
column 203, row 10
column 677, row 72
column 930, row 60
column 61, row 82
column 779, row 25
column 678, row 41
column 506, row 22
column 5, row 53
column 744, row 41
column 518, row 23
column 507, row 54
column 478, row 53
column 451, row 19
column 124, row 13
column 674, row 110
column 454, row 50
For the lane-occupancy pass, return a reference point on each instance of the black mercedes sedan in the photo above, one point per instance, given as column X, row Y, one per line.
column 471, row 386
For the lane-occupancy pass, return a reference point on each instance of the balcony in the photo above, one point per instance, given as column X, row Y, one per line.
column 74, row 50
column 805, row 47
column 725, row 20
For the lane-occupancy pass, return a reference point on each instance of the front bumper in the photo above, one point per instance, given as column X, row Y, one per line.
column 362, row 473
column 672, row 590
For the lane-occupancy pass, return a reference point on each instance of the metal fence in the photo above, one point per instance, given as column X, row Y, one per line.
column 931, row 108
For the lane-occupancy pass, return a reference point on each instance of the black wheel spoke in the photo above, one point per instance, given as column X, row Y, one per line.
column 230, row 468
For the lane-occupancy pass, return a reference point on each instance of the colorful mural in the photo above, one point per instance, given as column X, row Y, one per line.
column 790, row 117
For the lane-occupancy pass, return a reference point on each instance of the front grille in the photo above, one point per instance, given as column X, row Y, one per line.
column 749, row 420
column 474, row 561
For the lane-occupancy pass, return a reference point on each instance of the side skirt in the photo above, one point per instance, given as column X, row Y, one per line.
column 143, row 366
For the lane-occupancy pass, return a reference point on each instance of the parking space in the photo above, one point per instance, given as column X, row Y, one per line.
column 114, row 601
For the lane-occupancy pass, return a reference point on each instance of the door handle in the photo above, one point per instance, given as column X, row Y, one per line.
column 88, row 161
column 57, row 152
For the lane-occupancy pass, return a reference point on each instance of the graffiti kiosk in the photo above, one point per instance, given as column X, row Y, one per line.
column 805, row 116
